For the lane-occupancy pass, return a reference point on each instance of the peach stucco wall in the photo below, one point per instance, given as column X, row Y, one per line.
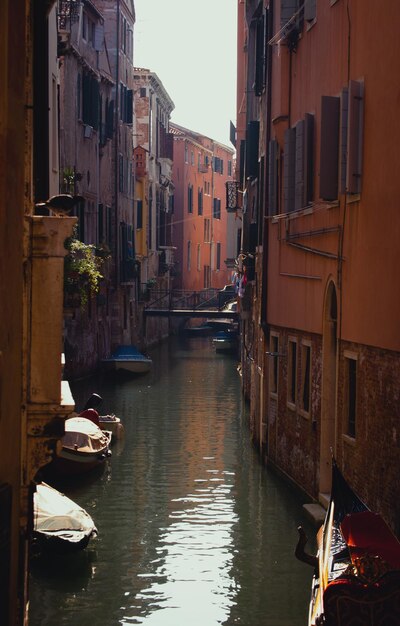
column 327, row 57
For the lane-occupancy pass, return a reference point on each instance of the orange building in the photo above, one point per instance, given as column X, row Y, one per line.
column 320, row 149
column 200, row 170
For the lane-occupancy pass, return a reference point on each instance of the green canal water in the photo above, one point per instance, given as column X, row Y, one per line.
column 193, row 530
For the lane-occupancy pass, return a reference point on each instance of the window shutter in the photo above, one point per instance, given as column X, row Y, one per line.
column 308, row 158
column 260, row 56
column 242, row 151
column 139, row 214
column 344, row 120
column 310, row 10
column 129, row 106
column 95, row 103
column 99, row 37
column 288, row 8
column 273, row 177
column 289, row 169
column 86, row 99
column 110, row 119
column 355, row 136
column 330, row 108
column 252, row 134
column 299, row 166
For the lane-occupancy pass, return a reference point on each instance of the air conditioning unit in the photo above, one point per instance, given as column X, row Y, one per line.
column 88, row 130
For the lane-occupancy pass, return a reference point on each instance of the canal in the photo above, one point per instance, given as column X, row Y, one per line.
column 193, row 530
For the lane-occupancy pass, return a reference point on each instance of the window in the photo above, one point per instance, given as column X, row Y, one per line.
column 351, row 394
column 289, row 165
column 189, row 255
column 198, row 257
column 190, row 198
column 261, row 50
column 273, row 372
column 310, row 12
column 126, row 104
column 218, row 165
column 218, row 256
column 100, row 224
column 186, row 153
column 139, row 214
column 90, row 101
column 192, row 158
column 229, row 168
column 206, row 230
column 79, row 95
column 292, row 372
column 121, row 186
column 217, row 208
column 273, row 161
column 207, row 276
column 200, row 201
column 143, row 92
column 305, row 377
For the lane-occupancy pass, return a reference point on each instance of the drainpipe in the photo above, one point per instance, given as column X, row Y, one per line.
column 264, row 291
column 116, row 153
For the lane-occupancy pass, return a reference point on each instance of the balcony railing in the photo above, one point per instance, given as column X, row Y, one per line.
column 67, row 13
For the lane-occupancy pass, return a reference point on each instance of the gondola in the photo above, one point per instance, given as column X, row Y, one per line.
column 357, row 568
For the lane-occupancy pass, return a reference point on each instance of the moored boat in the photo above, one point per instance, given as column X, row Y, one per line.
column 226, row 341
column 128, row 359
column 59, row 524
column 110, row 422
column 357, row 568
column 85, row 446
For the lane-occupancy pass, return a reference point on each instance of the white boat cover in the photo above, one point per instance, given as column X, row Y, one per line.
column 55, row 514
column 84, row 435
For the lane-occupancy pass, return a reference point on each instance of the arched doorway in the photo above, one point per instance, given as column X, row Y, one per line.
column 328, row 399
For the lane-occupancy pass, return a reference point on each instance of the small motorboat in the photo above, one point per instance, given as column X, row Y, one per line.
column 59, row 524
column 226, row 341
column 357, row 568
column 84, row 447
column 128, row 359
column 110, row 422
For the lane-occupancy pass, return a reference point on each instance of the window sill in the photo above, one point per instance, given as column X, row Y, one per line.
column 291, row 406
column 273, row 395
column 305, row 414
column 310, row 24
column 351, row 441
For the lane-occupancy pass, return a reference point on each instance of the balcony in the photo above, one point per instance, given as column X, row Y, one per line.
column 67, row 13
column 232, row 196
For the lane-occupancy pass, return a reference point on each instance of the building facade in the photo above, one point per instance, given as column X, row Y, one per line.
column 201, row 169
column 323, row 374
column 153, row 172
column 96, row 106
column 33, row 399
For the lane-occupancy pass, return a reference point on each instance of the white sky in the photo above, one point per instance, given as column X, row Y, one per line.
column 191, row 46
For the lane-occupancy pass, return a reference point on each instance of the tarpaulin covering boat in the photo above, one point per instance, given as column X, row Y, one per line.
column 59, row 524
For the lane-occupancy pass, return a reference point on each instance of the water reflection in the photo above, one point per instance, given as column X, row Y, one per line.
column 191, row 528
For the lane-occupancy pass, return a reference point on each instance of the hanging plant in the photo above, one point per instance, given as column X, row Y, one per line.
column 82, row 269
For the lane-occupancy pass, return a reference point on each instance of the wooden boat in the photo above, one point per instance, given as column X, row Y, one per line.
column 84, row 447
column 59, row 524
column 357, row 568
column 128, row 359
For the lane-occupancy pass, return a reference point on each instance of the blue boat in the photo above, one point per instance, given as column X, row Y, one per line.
column 128, row 359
